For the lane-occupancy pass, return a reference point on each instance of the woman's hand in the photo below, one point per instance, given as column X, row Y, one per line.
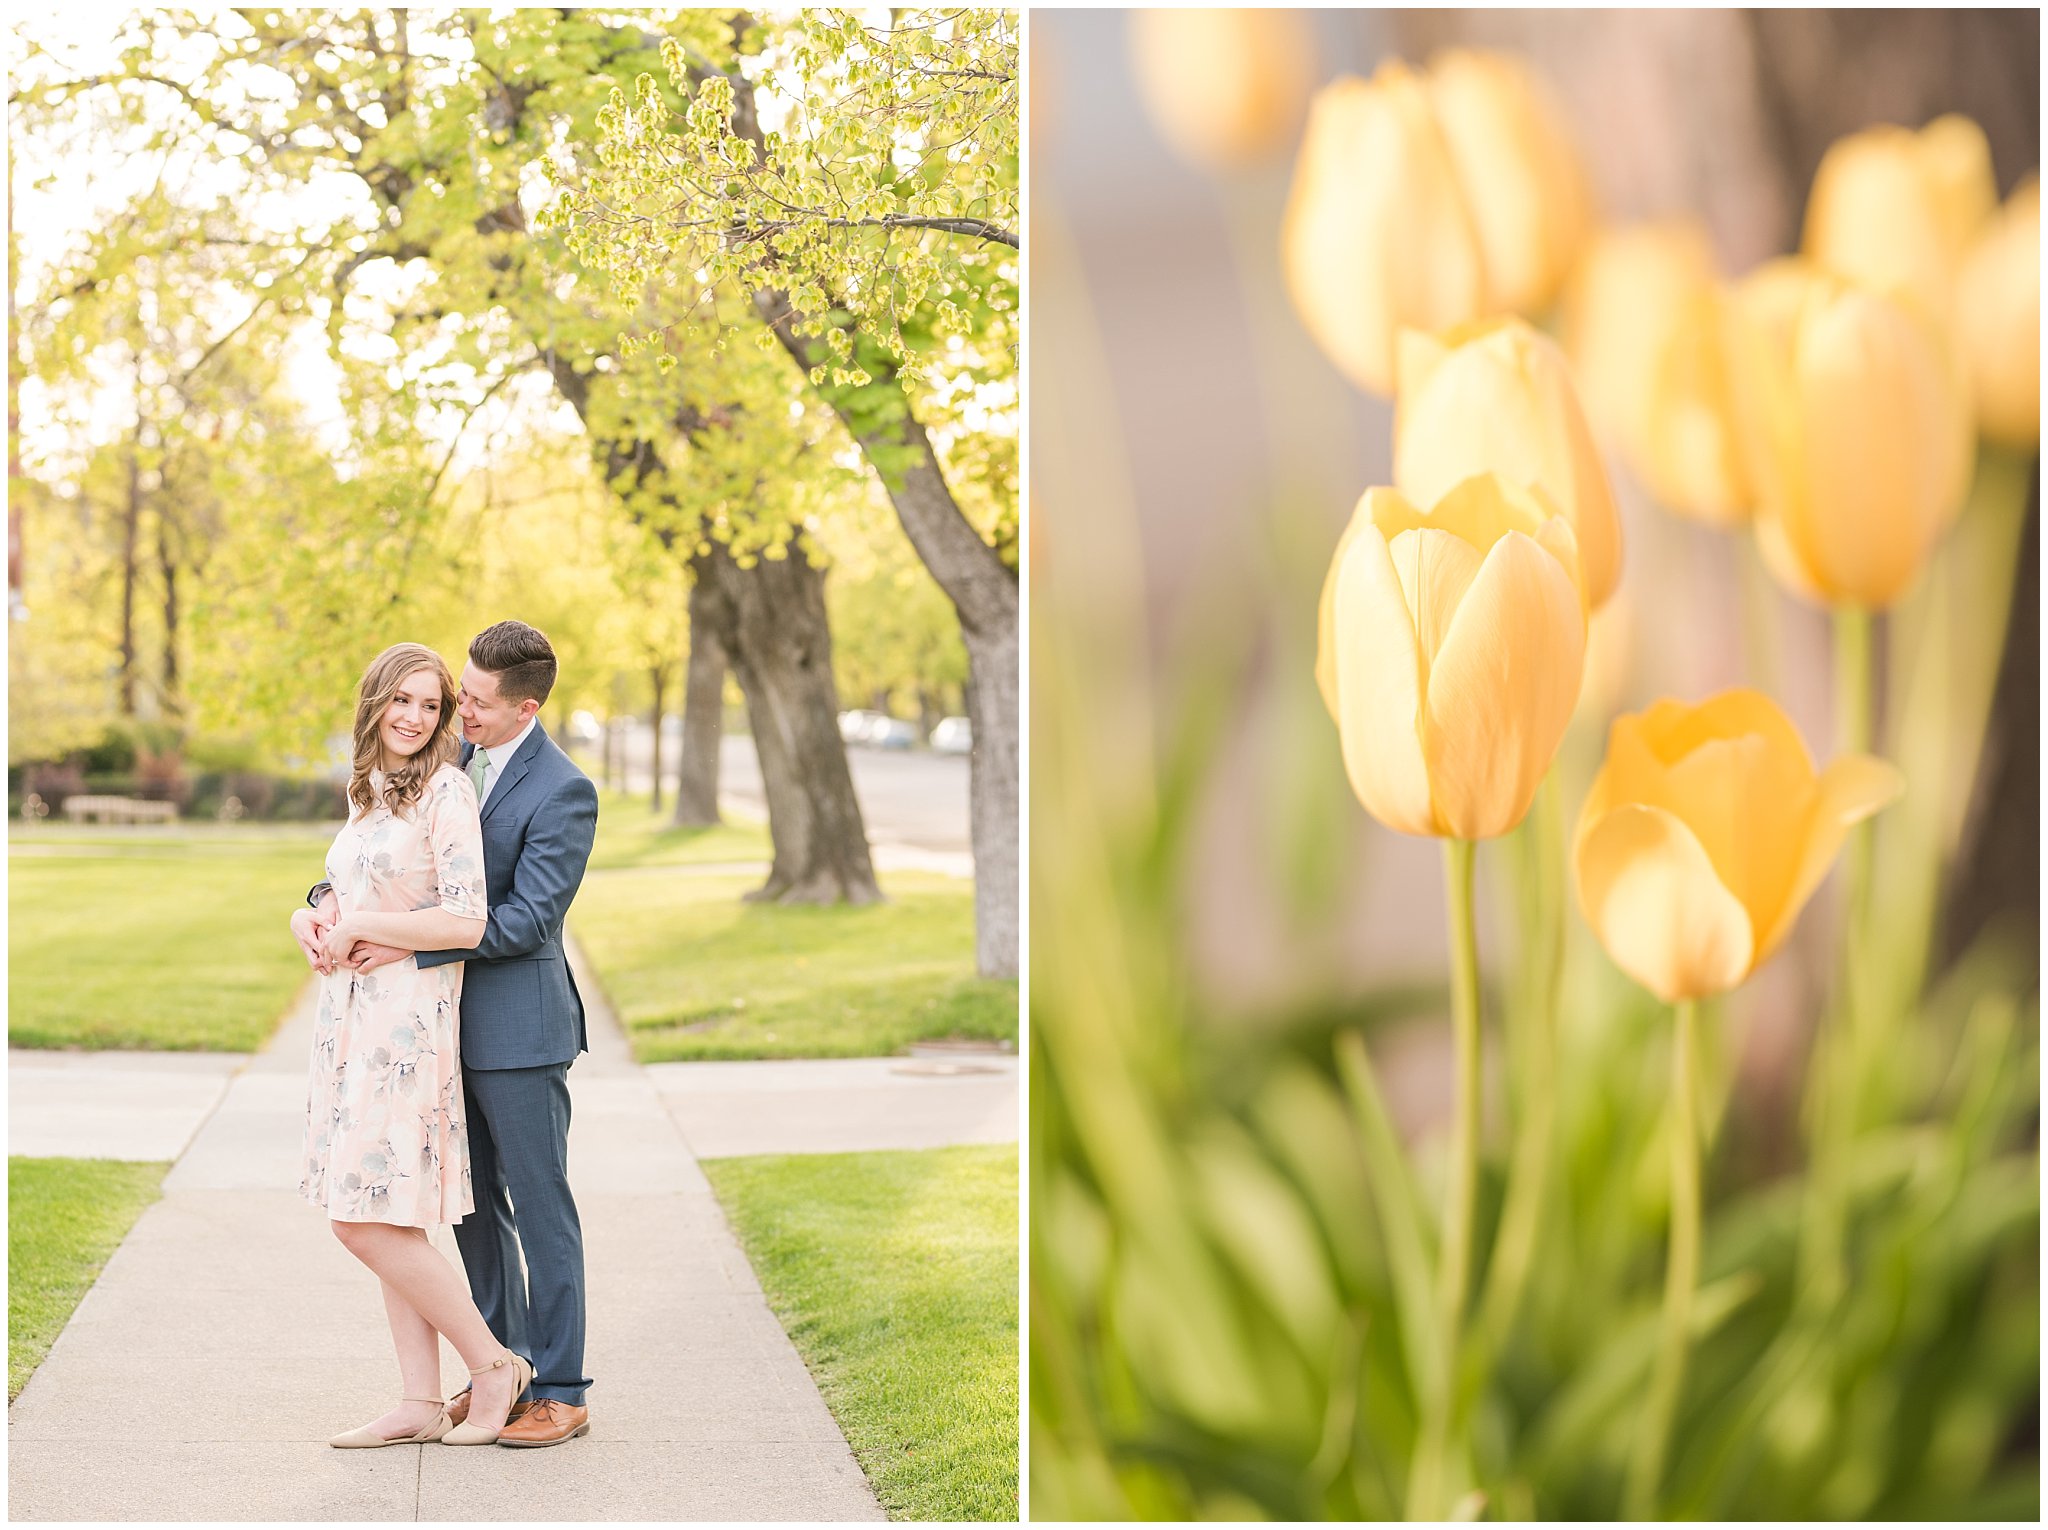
column 338, row 942
column 310, row 930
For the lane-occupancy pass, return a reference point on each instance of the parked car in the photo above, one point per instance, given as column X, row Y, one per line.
column 583, row 729
column 856, row 727
column 893, row 733
column 953, row 735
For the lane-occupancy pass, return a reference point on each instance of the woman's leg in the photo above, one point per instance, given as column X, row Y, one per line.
column 415, row 1273
column 419, row 1367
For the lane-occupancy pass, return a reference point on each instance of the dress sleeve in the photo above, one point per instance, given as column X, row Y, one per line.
column 456, row 836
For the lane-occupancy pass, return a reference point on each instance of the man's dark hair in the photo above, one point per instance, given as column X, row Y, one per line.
column 520, row 657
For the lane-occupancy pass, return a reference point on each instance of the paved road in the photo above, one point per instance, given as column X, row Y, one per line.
column 910, row 798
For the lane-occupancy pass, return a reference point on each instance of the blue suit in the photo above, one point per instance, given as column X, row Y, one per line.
column 522, row 1026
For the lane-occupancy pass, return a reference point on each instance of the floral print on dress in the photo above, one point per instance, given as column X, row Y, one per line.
column 386, row 1137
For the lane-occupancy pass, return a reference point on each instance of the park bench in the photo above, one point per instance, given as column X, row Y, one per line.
column 119, row 810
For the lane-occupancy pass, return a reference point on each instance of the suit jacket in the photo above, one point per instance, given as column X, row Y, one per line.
column 520, row 1007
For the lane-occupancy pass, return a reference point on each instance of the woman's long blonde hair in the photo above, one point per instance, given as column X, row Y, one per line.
column 405, row 785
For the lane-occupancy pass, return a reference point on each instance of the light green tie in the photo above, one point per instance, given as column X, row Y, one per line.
column 479, row 767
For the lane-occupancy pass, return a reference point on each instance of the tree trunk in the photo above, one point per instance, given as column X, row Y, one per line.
column 657, row 674
column 984, row 594
column 703, row 710
column 168, row 564
column 131, row 526
column 771, row 620
column 770, row 625
column 993, row 700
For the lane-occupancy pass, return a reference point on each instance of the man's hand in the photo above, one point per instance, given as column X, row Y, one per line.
column 309, row 929
column 368, row 957
column 330, row 908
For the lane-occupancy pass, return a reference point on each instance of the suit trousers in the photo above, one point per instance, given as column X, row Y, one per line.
column 519, row 1171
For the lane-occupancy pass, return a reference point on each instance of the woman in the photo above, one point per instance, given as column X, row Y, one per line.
column 387, row 1152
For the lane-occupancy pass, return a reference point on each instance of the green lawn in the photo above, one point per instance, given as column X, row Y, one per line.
column 896, row 1276
column 65, row 1216
column 173, row 940
column 629, row 834
column 696, row 973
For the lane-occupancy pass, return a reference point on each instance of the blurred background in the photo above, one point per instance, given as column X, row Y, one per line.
column 1211, row 907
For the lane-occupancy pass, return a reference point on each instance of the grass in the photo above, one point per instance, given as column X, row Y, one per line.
column 65, row 1217
column 696, row 973
column 165, row 940
column 629, row 835
column 896, row 1277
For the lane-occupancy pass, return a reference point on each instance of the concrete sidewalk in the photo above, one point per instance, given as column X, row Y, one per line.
column 230, row 1336
column 142, row 1106
column 841, row 1105
column 147, row 1107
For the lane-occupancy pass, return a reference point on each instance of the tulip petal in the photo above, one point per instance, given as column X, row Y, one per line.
column 1520, row 173
column 1673, row 729
column 1998, row 322
column 1734, row 770
column 1481, row 510
column 1886, row 428
column 1761, row 329
column 1628, row 774
column 1649, row 891
column 1871, row 218
column 1502, row 401
column 1326, row 607
column 1747, row 804
column 1502, row 687
column 1379, row 679
column 1435, row 567
column 1376, row 233
column 1417, row 354
column 1850, row 790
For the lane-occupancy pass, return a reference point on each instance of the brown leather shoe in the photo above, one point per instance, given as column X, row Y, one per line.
column 547, row 1422
column 458, row 1408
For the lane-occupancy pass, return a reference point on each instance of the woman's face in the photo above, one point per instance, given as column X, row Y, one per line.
column 410, row 719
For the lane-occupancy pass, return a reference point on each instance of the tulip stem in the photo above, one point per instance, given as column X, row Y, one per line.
column 1532, row 1043
column 1839, row 1048
column 1681, row 1275
column 1427, row 1488
column 1855, row 684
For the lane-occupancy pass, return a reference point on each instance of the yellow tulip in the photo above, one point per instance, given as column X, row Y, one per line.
column 1897, row 210
column 1497, row 397
column 1856, row 433
column 1425, row 201
column 1377, row 234
column 1520, row 174
column 1224, row 87
column 1451, row 644
column 1998, row 321
column 1644, row 324
column 1705, row 833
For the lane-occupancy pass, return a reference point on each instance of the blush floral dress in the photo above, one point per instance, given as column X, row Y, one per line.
column 386, row 1139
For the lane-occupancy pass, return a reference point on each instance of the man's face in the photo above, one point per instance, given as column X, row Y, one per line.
column 488, row 719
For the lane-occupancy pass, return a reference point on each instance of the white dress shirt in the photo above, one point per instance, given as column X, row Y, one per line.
column 501, row 756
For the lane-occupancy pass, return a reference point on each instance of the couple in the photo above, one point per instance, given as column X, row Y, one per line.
column 446, row 1027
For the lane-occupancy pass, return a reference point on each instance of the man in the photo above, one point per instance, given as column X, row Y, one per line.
column 522, row 1026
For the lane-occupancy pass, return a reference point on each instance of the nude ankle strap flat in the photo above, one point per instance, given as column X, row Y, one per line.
column 366, row 1438
column 466, row 1433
